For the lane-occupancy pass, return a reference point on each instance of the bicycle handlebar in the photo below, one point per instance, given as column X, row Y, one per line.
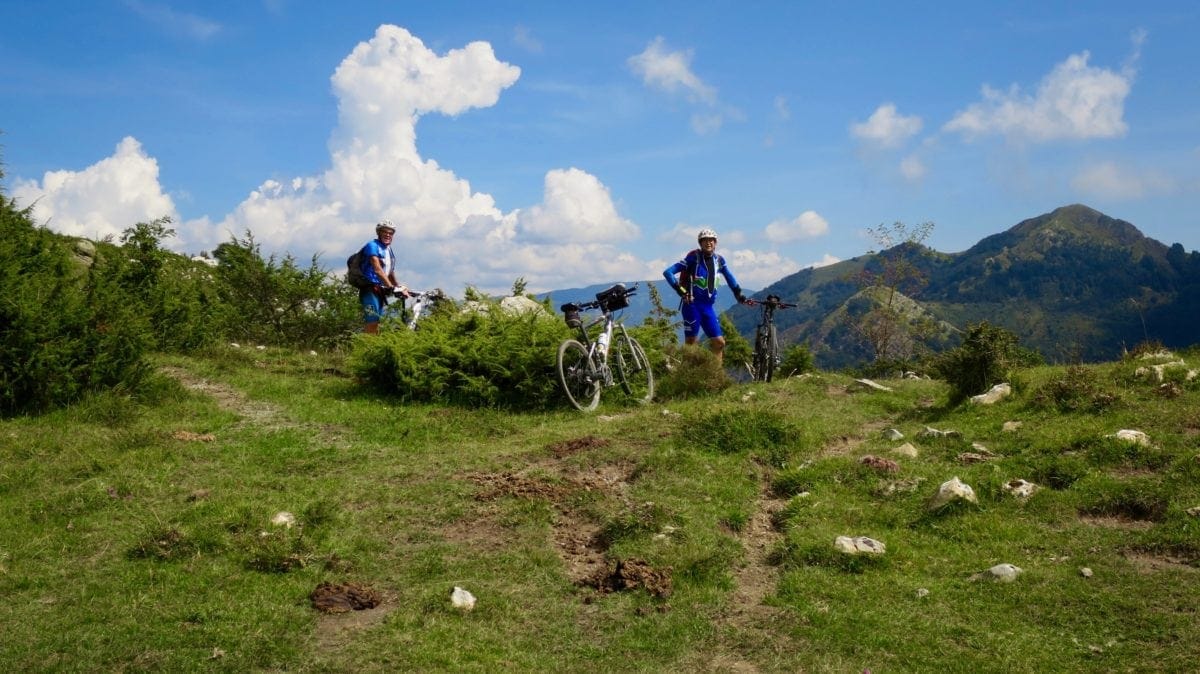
column 773, row 302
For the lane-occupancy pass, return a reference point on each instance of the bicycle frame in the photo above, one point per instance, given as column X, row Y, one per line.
column 584, row 363
column 766, row 346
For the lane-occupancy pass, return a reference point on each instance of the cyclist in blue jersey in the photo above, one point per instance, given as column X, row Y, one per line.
column 697, row 287
column 379, row 266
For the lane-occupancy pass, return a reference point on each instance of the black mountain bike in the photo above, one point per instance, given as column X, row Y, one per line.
column 767, row 354
column 586, row 365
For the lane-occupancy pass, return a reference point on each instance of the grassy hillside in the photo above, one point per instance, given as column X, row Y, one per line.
column 136, row 532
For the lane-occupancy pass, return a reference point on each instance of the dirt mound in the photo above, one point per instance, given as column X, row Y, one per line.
column 519, row 486
column 330, row 598
column 631, row 574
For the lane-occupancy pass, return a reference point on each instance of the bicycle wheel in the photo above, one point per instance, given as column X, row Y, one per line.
column 762, row 347
column 633, row 368
column 772, row 354
column 578, row 376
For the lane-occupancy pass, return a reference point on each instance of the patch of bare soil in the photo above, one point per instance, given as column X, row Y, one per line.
column 1116, row 522
column 228, row 398
column 346, row 608
column 632, row 574
column 756, row 578
column 574, row 535
column 251, row 412
column 1147, row 563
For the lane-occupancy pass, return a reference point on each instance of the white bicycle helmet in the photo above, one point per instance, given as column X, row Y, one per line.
column 385, row 225
column 706, row 233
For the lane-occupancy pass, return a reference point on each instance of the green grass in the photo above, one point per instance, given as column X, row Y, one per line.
column 136, row 534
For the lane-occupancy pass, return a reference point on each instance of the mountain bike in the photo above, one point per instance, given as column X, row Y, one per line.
column 586, row 366
column 767, row 355
column 422, row 302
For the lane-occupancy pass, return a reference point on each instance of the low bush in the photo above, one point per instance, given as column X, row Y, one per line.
column 690, row 371
column 987, row 356
column 473, row 359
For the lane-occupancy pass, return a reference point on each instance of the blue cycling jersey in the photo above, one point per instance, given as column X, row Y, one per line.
column 699, row 274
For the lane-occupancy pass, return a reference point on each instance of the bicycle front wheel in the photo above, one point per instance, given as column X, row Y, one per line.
column 578, row 376
column 772, row 358
column 762, row 350
column 633, row 368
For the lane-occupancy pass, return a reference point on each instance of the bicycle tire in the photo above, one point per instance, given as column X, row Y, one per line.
column 772, row 358
column 577, row 374
column 633, row 368
column 761, row 346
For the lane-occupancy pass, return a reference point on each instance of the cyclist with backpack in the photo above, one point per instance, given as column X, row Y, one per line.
column 377, row 268
column 697, row 287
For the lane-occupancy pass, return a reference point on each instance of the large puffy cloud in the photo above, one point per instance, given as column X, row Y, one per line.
column 102, row 200
column 886, row 128
column 576, row 207
column 807, row 225
column 1074, row 101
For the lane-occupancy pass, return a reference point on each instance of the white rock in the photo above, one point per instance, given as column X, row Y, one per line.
column 953, row 489
column 931, row 432
column 234, row 345
column 857, row 545
column 516, row 306
column 922, row 593
column 1085, row 572
column 906, row 449
column 1128, row 435
column 1005, row 573
column 1194, row 511
column 260, row 347
column 892, row 434
column 1020, row 488
column 867, row 383
column 1011, row 426
column 993, row 395
column 312, row 353
column 461, row 599
column 283, row 518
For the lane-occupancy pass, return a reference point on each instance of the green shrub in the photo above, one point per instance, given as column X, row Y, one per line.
column 277, row 301
column 986, row 357
column 691, row 371
column 66, row 326
column 1076, row 390
column 473, row 359
column 797, row 359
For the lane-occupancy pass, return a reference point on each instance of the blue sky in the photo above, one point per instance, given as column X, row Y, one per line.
column 571, row 144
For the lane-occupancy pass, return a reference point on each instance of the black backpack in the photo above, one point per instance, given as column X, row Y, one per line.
column 354, row 273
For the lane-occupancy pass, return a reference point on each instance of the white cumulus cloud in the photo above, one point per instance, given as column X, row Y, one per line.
column 576, row 207
column 755, row 269
column 912, row 168
column 886, row 128
column 1074, row 101
column 103, row 199
column 807, row 225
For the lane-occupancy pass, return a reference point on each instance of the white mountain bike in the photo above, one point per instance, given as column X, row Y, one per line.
column 586, row 365
column 423, row 302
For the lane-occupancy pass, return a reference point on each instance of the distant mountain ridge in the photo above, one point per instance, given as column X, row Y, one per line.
column 1074, row 284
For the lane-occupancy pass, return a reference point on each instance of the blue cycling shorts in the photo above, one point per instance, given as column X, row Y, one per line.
column 372, row 305
column 698, row 316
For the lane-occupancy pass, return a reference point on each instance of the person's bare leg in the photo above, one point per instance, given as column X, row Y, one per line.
column 717, row 344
